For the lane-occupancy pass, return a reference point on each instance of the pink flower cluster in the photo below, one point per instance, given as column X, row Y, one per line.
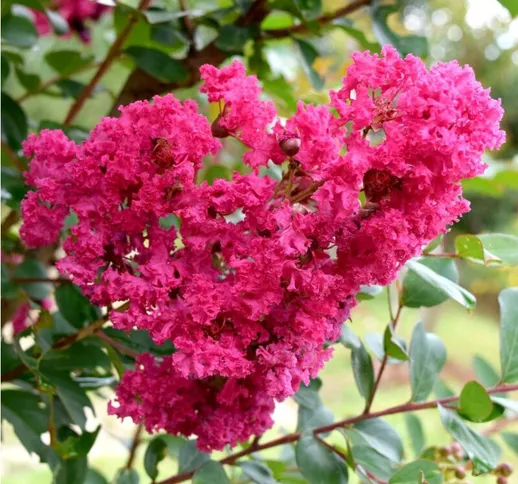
column 256, row 274
column 75, row 12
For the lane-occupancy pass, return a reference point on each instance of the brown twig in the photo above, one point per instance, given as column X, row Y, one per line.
column 122, row 349
column 64, row 343
column 500, row 424
column 187, row 23
column 141, row 85
column 134, row 446
column 53, row 80
column 368, row 403
column 28, row 280
column 287, row 439
column 11, row 219
column 323, row 20
column 13, row 157
column 112, row 55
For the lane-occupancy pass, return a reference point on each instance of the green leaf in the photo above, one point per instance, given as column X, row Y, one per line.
column 59, row 24
column 424, row 469
column 31, row 268
column 70, row 471
column 214, row 172
column 66, row 62
column 470, row 247
column 71, row 395
column 166, row 33
column 156, row 452
column 158, row 64
column 507, row 403
column 282, row 92
column 369, row 292
column 479, row 449
column 190, row 458
column 348, row 338
column 317, row 463
column 307, row 396
column 363, row 370
column 13, row 187
column 509, row 334
column 379, row 435
column 310, row 9
column 427, row 357
column 475, row 402
column 127, row 476
column 26, row 413
column 70, row 88
column 442, row 284
column 19, row 31
column 417, row 293
column 411, row 44
column 511, row 439
column 95, row 477
column 312, row 418
column 375, row 344
column 75, row 307
column 257, row 472
column 77, row 446
column 308, row 55
column 367, row 458
column 511, row 5
column 359, row 35
column 416, row 433
column 394, row 346
column 14, row 122
column 503, row 246
column 484, row 372
column 232, row 38
column 6, row 68
column 29, row 81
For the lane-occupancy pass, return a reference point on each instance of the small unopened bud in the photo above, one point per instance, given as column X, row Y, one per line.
column 456, row 450
column 505, row 469
column 290, row 146
column 502, row 480
column 217, row 130
column 460, row 472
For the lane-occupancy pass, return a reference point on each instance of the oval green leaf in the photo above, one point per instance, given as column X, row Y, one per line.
column 475, row 403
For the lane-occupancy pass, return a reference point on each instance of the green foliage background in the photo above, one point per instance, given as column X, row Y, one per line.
column 299, row 49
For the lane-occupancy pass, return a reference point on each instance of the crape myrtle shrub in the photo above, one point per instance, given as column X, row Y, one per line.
column 212, row 301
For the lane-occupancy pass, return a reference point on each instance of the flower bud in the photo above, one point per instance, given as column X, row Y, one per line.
column 505, row 469
column 290, row 146
column 460, row 472
column 217, row 130
column 502, row 480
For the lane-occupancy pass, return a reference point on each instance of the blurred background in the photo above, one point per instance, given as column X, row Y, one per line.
column 481, row 33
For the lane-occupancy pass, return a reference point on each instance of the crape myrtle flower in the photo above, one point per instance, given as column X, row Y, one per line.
column 249, row 306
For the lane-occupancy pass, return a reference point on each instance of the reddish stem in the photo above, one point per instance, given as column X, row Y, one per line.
column 287, row 439
column 384, row 362
column 108, row 61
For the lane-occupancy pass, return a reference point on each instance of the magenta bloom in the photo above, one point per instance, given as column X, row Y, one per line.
column 249, row 305
column 76, row 12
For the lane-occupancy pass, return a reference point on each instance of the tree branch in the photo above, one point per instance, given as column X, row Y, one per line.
column 287, row 439
column 65, row 342
column 110, row 58
column 13, row 157
column 134, row 446
column 384, row 362
column 140, row 85
column 323, row 20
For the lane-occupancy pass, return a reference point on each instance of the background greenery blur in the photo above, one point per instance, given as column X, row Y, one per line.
column 478, row 32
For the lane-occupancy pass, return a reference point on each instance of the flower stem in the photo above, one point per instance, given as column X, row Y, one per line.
column 112, row 55
column 287, row 439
